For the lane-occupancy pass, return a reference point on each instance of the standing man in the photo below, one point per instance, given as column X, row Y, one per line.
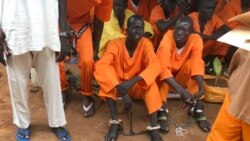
column 233, row 120
column 180, row 54
column 87, row 42
column 32, row 39
column 131, row 67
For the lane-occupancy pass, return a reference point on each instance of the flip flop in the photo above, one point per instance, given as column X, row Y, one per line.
column 89, row 111
column 23, row 134
column 62, row 134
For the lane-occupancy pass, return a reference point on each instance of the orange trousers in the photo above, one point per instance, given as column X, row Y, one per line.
column 151, row 96
column 84, row 47
column 183, row 78
column 215, row 48
column 228, row 128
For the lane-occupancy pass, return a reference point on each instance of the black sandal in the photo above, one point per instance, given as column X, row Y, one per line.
column 154, row 133
column 199, row 116
column 162, row 117
column 113, row 132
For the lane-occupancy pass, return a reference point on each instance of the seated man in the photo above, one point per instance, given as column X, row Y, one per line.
column 128, row 68
column 210, row 27
column 163, row 17
column 180, row 54
column 116, row 26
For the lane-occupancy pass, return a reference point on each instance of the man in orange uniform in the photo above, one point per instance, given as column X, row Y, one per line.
column 79, row 17
column 131, row 67
column 142, row 7
column 233, row 120
column 163, row 16
column 210, row 27
column 180, row 55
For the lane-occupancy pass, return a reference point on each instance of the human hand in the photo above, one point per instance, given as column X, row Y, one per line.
column 4, row 50
column 127, row 102
column 64, row 50
column 125, row 86
column 186, row 96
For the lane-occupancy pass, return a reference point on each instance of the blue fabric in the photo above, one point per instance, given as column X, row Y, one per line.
column 23, row 134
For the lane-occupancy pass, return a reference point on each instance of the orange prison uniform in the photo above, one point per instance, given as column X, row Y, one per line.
column 144, row 8
column 210, row 47
column 180, row 66
column 220, row 5
column 228, row 128
column 158, row 14
column 117, row 66
column 230, row 10
column 79, row 15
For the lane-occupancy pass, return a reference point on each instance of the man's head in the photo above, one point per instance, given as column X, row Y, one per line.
column 135, row 28
column 245, row 4
column 183, row 28
column 206, row 8
column 119, row 7
column 168, row 5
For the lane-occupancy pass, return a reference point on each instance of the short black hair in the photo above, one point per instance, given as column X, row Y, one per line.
column 202, row 2
column 134, row 17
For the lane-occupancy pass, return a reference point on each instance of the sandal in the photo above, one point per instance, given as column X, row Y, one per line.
column 200, row 118
column 23, row 134
column 89, row 111
column 62, row 134
column 162, row 117
column 154, row 133
column 115, row 129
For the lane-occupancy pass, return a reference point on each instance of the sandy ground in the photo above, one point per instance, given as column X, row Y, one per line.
column 93, row 129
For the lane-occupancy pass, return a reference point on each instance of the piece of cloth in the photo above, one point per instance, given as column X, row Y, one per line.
column 79, row 11
column 144, row 8
column 24, row 26
column 79, row 14
column 228, row 128
column 211, row 47
column 119, row 67
column 112, row 30
column 230, row 10
column 63, row 78
column 156, row 15
column 18, row 70
column 239, row 77
column 220, row 4
column 180, row 66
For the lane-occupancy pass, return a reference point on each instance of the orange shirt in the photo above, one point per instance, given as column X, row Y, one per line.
column 220, row 5
column 116, row 65
column 211, row 26
column 156, row 15
column 79, row 11
column 172, row 62
column 144, row 8
column 230, row 10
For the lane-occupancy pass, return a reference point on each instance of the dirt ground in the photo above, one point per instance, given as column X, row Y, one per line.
column 94, row 129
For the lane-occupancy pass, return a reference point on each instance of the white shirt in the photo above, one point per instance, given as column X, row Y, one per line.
column 30, row 25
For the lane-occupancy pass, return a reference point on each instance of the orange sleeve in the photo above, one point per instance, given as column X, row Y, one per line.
column 105, row 73
column 230, row 10
column 156, row 14
column 151, row 62
column 196, row 61
column 164, row 55
column 103, row 10
column 217, row 22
